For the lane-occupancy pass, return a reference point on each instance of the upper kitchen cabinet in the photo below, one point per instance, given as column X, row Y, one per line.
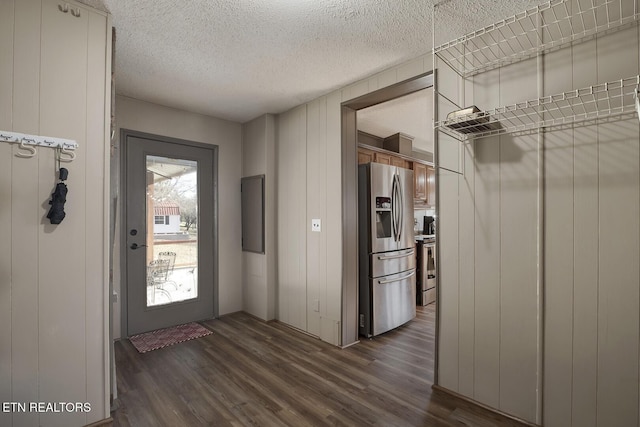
column 420, row 182
column 383, row 158
column 365, row 156
column 423, row 173
column 400, row 162
column 396, row 150
column 424, row 179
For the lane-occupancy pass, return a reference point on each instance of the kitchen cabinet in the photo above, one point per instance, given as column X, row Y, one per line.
column 365, row 156
column 420, row 182
column 383, row 158
column 423, row 174
column 402, row 163
column 424, row 177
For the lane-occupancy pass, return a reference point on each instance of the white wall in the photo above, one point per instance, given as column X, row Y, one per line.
column 498, row 281
column 291, row 157
column 259, row 270
column 592, row 248
column 310, row 187
column 53, row 278
column 143, row 116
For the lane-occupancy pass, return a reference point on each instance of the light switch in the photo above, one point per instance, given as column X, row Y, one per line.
column 315, row 225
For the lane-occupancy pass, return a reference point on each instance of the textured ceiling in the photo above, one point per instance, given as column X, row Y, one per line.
column 239, row 59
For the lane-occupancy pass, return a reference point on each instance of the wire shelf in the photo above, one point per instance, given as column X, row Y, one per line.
column 606, row 100
column 548, row 26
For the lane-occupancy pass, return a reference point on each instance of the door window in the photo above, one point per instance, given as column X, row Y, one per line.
column 172, row 237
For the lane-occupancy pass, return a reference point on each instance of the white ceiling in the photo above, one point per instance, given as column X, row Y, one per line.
column 239, row 59
column 411, row 114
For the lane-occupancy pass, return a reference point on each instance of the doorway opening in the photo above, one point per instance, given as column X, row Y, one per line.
column 169, row 233
column 360, row 116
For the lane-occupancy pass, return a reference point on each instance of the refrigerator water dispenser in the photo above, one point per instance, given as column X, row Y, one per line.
column 383, row 217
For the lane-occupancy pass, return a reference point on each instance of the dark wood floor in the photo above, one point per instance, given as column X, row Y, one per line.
column 265, row 374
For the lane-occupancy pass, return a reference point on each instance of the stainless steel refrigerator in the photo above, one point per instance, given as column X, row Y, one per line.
column 387, row 258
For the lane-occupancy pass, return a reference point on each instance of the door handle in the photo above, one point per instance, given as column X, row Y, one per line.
column 397, row 207
column 384, row 282
column 385, row 257
column 394, row 220
column 401, row 210
column 135, row 246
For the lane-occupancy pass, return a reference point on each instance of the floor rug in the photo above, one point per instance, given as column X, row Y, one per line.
column 165, row 337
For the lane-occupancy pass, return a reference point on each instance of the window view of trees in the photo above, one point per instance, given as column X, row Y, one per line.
column 182, row 190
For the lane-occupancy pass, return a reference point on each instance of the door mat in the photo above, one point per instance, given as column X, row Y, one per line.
column 165, row 337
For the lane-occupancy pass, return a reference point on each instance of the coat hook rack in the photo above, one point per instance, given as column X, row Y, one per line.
column 67, row 145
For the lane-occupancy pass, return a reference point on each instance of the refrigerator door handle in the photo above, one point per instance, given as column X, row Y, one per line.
column 401, row 213
column 397, row 208
column 394, row 219
column 385, row 257
column 384, row 282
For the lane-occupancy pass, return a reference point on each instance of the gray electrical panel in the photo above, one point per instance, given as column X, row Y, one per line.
column 252, row 188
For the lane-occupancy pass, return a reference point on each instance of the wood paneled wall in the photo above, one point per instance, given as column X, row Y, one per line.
column 592, row 248
column 53, row 278
column 259, row 270
column 291, row 151
column 310, row 186
column 540, row 276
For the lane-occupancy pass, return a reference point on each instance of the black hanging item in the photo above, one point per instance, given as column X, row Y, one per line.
column 59, row 196
column 63, row 174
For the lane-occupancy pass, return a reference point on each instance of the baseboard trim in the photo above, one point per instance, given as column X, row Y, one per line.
column 260, row 319
column 243, row 312
column 349, row 345
column 293, row 328
column 470, row 401
column 101, row 423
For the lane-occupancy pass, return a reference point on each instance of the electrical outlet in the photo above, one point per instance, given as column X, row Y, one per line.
column 315, row 225
column 114, row 297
